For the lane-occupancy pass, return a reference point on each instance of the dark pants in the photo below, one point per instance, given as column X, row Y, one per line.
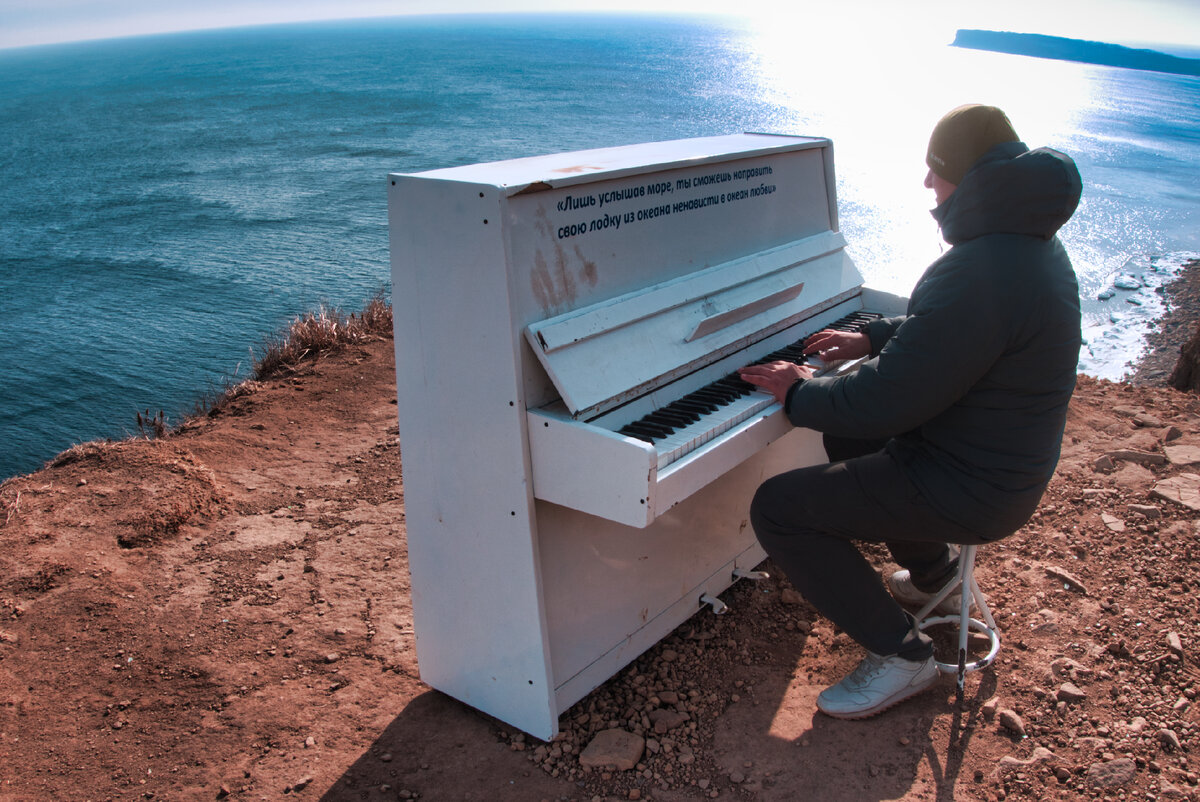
column 807, row 519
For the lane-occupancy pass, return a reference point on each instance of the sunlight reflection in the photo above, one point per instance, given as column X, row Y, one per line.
column 876, row 92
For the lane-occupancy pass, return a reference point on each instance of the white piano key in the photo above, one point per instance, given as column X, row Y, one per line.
column 714, row 424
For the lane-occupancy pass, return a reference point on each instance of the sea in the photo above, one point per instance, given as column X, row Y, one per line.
column 169, row 203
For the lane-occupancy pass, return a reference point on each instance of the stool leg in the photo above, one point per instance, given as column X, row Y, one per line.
column 966, row 579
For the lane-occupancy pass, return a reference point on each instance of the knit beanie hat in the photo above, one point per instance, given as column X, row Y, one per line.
column 962, row 136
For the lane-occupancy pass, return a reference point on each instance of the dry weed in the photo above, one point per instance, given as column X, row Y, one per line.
column 322, row 331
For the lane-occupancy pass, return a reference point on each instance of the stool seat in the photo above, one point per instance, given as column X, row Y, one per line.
column 964, row 581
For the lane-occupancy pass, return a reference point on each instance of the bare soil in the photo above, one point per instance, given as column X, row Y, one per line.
column 224, row 613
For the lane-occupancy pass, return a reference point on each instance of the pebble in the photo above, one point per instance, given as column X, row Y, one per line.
column 617, row 748
column 1175, row 643
column 1070, row 692
column 1012, row 722
column 1067, row 578
column 1169, row 739
column 789, row 596
column 1140, row 457
column 1146, row 511
column 332, row 657
column 1112, row 773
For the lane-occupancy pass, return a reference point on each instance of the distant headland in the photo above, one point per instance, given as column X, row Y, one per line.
column 1057, row 47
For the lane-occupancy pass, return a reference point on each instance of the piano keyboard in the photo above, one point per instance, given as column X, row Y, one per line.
column 691, row 421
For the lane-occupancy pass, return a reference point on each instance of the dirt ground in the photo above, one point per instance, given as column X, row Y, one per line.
column 224, row 613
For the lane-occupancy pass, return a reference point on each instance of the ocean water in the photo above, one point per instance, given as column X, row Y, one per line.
column 169, row 202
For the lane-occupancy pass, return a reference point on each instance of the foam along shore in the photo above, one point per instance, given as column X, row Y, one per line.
column 1119, row 320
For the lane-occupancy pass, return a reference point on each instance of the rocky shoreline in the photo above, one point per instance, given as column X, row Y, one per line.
column 1165, row 341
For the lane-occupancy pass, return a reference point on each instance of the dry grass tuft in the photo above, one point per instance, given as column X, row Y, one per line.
column 322, row 331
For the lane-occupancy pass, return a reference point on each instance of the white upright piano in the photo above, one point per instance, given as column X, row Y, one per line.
column 578, row 461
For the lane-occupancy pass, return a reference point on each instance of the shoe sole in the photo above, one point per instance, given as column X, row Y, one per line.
column 883, row 708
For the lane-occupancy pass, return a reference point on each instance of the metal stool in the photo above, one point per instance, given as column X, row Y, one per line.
column 964, row 578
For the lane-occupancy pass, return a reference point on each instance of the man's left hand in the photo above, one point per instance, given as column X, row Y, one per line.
column 776, row 377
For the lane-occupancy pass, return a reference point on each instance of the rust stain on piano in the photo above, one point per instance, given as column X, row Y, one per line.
column 555, row 283
column 589, row 273
column 578, row 168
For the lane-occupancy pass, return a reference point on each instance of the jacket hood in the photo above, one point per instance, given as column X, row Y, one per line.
column 1012, row 190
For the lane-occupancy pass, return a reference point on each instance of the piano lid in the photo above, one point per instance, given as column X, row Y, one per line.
column 601, row 356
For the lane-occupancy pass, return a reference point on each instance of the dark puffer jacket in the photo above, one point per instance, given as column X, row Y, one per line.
column 973, row 384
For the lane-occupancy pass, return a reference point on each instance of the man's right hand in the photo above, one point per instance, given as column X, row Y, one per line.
column 831, row 345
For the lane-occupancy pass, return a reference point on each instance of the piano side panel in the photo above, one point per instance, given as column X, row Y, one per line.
column 477, row 607
column 613, row 591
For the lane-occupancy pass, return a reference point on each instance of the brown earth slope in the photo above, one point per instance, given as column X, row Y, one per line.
column 224, row 613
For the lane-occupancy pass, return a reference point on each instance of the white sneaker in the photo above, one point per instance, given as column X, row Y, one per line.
column 904, row 591
column 875, row 685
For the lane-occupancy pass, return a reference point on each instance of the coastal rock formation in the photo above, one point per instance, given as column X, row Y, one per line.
column 1186, row 375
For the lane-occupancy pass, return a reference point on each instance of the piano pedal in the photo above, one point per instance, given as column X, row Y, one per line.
column 718, row 607
column 742, row 573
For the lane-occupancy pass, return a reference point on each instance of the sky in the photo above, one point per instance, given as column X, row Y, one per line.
column 1174, row 23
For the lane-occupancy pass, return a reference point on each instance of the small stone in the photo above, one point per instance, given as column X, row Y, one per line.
column 669, row 656
column 1114, row 523
column 634, row 793
column 737, row 778
column 1112, row 773
column 1168, row 790
column 1146, row 511
column 789, row 596
column 332, row 657
column 1066, row 668
column 617, row 748
column 989, row 708
column 1174, row 643
column 1012, row 722
column 1147, row 421
column 1070, row 692
column 1172, row 433
column 1140, row 457
column 386, row 757
column 302, row 783
column 1066, row 578
column 1040, row 755
column 1169, row 739
column 665, row 720
column 310, row 742
column 1103, row 464
column 668, row 697
column 1049, row 621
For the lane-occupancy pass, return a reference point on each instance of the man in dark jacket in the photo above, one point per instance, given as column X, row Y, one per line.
column 950, row 432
